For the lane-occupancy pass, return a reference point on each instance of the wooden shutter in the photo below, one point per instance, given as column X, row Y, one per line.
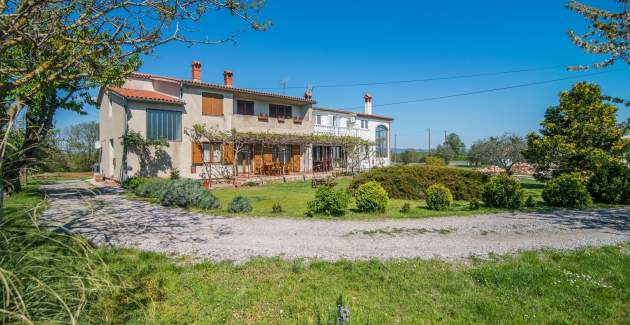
column 227, row 153
column 197, row 154
column 267, row 154
column 295, row 158
column 257, row 158
column 212, row 104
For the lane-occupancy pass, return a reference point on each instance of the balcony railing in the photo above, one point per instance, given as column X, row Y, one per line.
column 336, row 130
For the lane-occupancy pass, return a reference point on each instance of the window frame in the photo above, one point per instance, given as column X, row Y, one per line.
column 381, row 141
column 245, row 103
column 178, row 136
column 277, row 108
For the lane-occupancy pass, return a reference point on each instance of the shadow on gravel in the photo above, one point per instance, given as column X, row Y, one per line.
column 614, row 218
column 103, row 216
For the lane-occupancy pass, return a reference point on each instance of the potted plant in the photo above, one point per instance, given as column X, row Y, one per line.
column 280, row 119
column 263, row 117
column 297, row 120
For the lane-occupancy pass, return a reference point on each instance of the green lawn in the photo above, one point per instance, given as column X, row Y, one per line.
column 294, row 196
column 585, row 286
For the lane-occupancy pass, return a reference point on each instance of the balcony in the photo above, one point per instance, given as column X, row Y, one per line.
column 266, row 123
column 336, row 130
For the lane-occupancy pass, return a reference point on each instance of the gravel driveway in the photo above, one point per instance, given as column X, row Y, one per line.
column 107, row 218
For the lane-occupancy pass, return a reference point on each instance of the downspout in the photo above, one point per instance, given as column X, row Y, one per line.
column 123, row 164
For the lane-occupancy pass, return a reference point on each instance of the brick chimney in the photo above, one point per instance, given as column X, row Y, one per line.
column 196, row 71
column 308, row 94
column 368, row 103
column 227, row 78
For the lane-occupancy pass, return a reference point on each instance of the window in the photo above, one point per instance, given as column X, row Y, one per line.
column 276, row 110
column 211, row 104
column 164, row 124
column 206, row 152
column 244, row 107
column 381, row 141
column 318, row 119
column 281, row 154
column 335, row 120
column 364, row 124
column 216, row 152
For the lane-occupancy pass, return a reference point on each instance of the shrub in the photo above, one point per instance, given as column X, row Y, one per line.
column 474, row 204
column 530, row 203
column 133, row 182
column 371, row 197
column 439, row 197
column 329, row 202
column 240, row 204
column 503, row 191
column 276, row 208
column 152, row 188
column 405, row 208
column 208, row 201
column 174, row 174
column 610, row 183
column 411, row 181
column 568, row 191
column 250, row 183
column 183, row 193
column 434, row 161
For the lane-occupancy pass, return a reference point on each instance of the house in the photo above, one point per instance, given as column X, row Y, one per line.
column 159, row 107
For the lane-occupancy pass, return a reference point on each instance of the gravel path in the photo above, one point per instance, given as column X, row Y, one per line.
column 107, row 218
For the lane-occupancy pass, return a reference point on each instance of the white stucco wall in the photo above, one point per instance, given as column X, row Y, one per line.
column 111, row 128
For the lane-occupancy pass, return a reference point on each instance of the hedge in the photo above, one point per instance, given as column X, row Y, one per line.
column 410, row 182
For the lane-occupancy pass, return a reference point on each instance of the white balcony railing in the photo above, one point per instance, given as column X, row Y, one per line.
column 336, row 130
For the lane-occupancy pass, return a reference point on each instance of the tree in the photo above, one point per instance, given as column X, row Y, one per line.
column 445, row 152
column 607, row 34
column 410, row 156
column 455, row 144
column 578, row 134
column 78, row 144
column 504, row 152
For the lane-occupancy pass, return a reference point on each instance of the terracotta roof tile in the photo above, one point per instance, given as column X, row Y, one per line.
column 222, row 87
column 146, row 95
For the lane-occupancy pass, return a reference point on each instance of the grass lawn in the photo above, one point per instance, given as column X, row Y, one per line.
column 294, row 196
column 585, row 286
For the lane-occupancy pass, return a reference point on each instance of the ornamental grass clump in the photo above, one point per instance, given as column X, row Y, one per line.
column 371, row 197
column 329, row 202
column 503, row 191
column 240, row 204
column 439, row 197
column 567, row 191
column 276, row 208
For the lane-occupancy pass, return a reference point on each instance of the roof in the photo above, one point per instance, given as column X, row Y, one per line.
column 341, row 111
column 146, row 95
column 222, row 87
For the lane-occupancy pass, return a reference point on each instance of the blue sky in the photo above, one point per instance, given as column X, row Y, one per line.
column 333, row 42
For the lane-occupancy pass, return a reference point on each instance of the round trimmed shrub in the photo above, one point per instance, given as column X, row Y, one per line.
column 240, row 204
column 371, row 197
column 183, row 193
column 610, row 183
column 439, row 197
column 208, row 201
column 152, row 188
column 329, row 202
column 567, row 191
column 503, row 191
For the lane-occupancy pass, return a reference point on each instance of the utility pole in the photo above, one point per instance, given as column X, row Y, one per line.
column 444, row 136
column 283, row 83
column 395, row 141
column 429, row 141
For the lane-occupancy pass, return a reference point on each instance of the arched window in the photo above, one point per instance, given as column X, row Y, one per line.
column 381, row 141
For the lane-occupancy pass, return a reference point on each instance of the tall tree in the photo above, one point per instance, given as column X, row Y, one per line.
column 608, row 32
column 452, row 147
column 579, row 133
column 78, row 144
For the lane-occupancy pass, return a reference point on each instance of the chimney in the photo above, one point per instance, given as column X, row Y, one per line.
column 308, row 94
column 196, row 71
column 227, row 78
column 368, row 104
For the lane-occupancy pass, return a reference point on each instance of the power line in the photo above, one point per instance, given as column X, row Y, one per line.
column 394, row 82
column 529, row 84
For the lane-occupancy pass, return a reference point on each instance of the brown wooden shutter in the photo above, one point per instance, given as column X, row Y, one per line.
column 197, row 154
column 212, row 104
column 257, row 158
column 267, row 155
column 227, row 150
column 295, row 158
